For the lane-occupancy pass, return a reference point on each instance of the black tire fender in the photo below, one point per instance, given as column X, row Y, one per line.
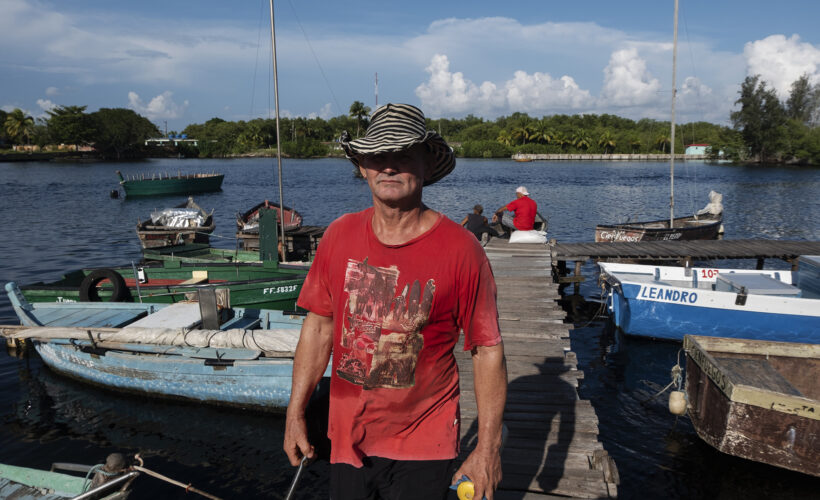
column 88, row 288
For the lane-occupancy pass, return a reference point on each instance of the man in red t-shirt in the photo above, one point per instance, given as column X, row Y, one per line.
column 388, row 292
column 524, row 208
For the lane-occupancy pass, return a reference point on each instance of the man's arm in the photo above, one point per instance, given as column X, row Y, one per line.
column 309, row 363
column 498, row 213
column 483, row 465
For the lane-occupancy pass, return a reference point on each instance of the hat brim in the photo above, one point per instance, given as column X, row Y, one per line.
column 444, row 157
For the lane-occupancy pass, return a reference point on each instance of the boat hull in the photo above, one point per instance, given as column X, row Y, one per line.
column 643, row 306
column 261, row 384
column 255, row 286
column 191, row 184
column 686, row 228
column 752, row 400
column 637, row 314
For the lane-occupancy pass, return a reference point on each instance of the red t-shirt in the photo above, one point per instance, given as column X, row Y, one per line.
column 524, row 209
column 397, row 312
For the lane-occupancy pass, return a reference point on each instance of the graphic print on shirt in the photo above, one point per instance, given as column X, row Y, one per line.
column 381, row 331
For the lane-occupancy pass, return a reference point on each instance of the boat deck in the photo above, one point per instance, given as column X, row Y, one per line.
column 650, row 280
column 552, row 449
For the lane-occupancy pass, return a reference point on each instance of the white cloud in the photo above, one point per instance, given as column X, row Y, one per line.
column 780, row 61
column 446, row 92
column 52, row 91
column 627, row 82
column 45, row 105
column 160, row 107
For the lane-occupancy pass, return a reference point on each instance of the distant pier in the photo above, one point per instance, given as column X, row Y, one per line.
column 524, row 157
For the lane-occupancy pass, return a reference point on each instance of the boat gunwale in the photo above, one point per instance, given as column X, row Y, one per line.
column 699, row 349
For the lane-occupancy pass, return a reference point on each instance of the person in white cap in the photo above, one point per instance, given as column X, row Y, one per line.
column 388, row 292
column 524, row 209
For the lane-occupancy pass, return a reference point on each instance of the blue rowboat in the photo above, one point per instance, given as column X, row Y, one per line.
column 246, row 360
column 669, row 302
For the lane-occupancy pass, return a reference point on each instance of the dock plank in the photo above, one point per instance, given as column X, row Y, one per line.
column 553, row 434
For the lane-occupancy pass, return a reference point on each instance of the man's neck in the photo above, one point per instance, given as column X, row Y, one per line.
column 398, row 225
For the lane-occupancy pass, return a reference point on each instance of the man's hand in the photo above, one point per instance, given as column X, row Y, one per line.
column 483, row 467
column 309, row 363
column 296, row 439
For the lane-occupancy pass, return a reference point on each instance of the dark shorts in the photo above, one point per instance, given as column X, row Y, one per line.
column 382, row 478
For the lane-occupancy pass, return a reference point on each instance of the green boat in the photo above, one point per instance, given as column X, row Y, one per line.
column 199, row 253
column 160, row 185
column 263, row 284
column 259, row 285
column 28, row 483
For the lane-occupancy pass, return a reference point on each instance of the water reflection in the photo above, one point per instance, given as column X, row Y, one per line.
column 229, row 453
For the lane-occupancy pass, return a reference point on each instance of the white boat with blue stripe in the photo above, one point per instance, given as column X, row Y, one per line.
column 667, row 302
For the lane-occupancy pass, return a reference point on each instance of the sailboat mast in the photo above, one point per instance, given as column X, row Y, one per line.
column 672, row 135
column 276, row 108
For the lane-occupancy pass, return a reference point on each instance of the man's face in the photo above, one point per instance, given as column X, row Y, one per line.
column 396, row 177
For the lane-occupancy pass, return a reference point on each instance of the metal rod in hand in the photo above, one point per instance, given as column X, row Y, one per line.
column 296, row 478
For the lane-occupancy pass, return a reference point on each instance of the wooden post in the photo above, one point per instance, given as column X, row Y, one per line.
column 577, row 289
column 760, row 261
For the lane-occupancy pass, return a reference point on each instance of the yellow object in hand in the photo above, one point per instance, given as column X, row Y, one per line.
column 465, row 490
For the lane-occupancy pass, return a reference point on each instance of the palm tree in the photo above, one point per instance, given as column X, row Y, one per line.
column 581, row 140
column 561, row 139
column 358, row 111
column 606, row 141
column 504, row 138
column 19, row 126
column 662, row 141
column 521, row 132
column 635, row 145
column 541, row 133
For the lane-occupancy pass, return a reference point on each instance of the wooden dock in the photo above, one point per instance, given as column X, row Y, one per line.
column 552, row 449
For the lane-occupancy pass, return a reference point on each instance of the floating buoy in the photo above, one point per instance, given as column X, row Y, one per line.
column 677, row 402
column 115, row 194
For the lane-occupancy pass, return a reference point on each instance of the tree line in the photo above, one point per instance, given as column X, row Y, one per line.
column 116, row 133
column 764, row 129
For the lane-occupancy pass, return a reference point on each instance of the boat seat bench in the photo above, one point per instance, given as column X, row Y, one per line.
column 757, row 373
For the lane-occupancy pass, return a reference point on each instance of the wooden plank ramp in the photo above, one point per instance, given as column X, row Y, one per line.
column 552, row 449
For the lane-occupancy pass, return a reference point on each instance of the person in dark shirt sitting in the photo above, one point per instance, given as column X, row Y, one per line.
column 477, row 224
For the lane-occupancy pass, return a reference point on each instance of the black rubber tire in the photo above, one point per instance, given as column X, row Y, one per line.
column 88, row 288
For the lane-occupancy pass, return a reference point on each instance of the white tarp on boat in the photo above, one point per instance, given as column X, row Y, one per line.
column 177, row 217
column 271, row 342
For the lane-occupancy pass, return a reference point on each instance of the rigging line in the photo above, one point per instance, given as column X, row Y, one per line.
column 256, row 60
column 692, row 195
column 321, row 70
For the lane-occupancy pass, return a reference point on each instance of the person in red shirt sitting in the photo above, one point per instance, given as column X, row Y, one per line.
column 524, row 209
column 388, row 293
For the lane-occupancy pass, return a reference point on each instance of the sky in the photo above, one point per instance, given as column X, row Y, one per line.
column 186, row 61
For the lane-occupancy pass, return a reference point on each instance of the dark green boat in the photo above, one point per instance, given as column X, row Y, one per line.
column 260, row 285
column 160, row 185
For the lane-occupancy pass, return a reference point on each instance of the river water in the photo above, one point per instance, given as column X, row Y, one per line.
column 60, row 216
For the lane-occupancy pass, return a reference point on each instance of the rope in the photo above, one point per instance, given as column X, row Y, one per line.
column 187, row 487
column 601, row 307
column 677, row 379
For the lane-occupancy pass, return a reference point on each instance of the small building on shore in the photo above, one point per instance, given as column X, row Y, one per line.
column 174, row 139
column 698, row 149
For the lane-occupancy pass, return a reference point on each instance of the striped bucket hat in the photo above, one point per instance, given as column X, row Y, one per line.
column 396, row 127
